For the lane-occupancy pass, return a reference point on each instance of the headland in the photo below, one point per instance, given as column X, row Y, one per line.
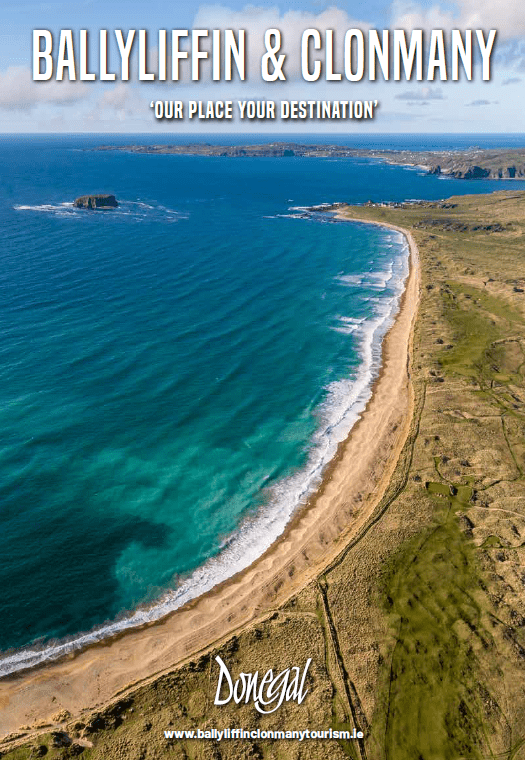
column 474, row 163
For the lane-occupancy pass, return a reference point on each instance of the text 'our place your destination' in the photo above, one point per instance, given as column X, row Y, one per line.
column 264, row 109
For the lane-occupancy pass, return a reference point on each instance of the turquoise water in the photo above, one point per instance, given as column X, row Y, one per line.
column 175, row 374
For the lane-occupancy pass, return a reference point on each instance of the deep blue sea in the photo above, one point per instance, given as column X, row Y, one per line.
column 175, row 374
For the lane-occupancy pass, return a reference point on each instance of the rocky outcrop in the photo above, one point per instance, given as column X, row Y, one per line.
column 461, row 172
column 94, row 202
column 473, row 171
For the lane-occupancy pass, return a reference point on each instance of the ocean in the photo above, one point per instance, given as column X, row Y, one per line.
column 176, row 373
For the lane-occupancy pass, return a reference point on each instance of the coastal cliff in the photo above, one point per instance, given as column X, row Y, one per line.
column 499, row 163
column 473, row 171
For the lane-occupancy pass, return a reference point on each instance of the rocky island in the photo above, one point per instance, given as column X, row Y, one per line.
column 98, row 201
column 473, row 163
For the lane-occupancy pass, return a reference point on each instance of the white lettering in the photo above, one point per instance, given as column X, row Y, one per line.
column 125, row 50
column 270, row 691
column 66, row 55
column 45, row 55
column 305, row 54
column 485, row 49
column 436, row 57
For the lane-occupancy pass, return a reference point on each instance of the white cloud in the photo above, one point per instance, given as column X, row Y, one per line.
column 18, row 92
column 117, row 98
column 481, row 102
column 123, row 102
column 256, row 20
column 408, row 16
column 424, row 93
column 507, row 16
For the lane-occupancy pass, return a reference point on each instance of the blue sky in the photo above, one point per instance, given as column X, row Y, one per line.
column 27, row 106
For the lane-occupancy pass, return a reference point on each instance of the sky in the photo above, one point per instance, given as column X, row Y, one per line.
column 475, row 106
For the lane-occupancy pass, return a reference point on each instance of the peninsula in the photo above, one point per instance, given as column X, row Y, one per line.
column 474, row 163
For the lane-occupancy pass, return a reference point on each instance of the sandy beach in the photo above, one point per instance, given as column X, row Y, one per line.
column 339, row 511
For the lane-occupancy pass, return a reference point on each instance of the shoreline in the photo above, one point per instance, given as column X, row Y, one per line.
column 316, row 534
column 257, row 533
